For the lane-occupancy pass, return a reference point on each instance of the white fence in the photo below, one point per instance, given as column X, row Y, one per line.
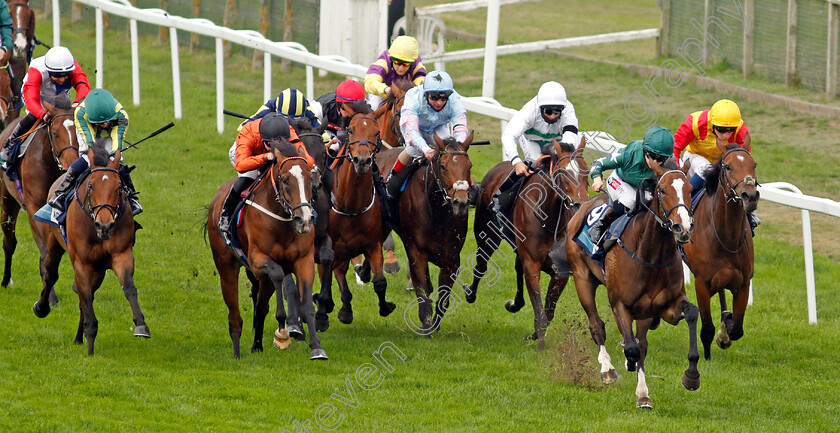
column 777, row 192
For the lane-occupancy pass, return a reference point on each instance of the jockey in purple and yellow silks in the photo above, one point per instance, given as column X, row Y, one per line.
column 401, row 60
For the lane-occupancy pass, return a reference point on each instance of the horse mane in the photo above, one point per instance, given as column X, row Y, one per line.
column 671, row 164
column 61, row 101
column 450, row 142
column 284, row 147
column 360, row 106
column 404, row 84
column 101, row 154
column 302, row 125
column 567, row 147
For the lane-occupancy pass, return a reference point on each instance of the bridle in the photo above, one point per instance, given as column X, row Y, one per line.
column 93, row 210
column 373, row 147
column 57, row 155
column 433, row 171
column 664, row 218
column 279, row 194
column 18, row 30
column 732, row 195
column 395, row 121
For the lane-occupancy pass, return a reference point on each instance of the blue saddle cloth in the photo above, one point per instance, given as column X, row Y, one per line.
column 596, row 252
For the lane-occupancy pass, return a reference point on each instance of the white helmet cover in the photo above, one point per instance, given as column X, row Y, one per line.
column 552, row 93
column 59, row 59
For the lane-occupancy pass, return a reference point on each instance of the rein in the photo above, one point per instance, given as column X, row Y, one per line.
column 279, row 197
column 374, row 149
column 57, row 155
column 93, row 210
column 730, row 196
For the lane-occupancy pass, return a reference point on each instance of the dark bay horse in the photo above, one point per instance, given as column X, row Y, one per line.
column 356, row 223
column 278, row 239
column 7, row 111
column 100, row 236
column 53, row 148
column 644, row 278
column 388, row 113
column 548, row 199
column 720, row 253
column 433, row 211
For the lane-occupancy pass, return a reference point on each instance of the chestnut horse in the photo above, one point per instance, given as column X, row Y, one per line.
column 388, row 113
column 53, row 148
column 548, row 199
column 277, row 239
column 433, row 211
column 720, row 253
column 356, row 223
column 100, row 236
column 7, row 111
column 23, row 37
column 644, row 278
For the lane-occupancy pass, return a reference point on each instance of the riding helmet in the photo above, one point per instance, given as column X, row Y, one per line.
column 725, row 113
column 659, row 140
column 551, row 94
column 404, row 48
column 349, row 91
column 100, row 106
column 274, row 126
column 438, row 81
column 292, row 103
column 58, row 60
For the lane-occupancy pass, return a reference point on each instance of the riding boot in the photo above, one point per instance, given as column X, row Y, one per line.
column 60, row 196
column 132, row 194
column 600, row 227
column 472, row 193
column 697, row 184
column 395, row 181
column 754, row 222
column 503, row 198
column 231, row 201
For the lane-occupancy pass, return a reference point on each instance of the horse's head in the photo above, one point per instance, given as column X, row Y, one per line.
column 736, row 172
column 293, row 184
column 6, row 108
column 388, row 113
column 570, row 172
column 23, row 19
column 62, row 131
column 363, row 142
column 103, row 200
column 453, row 172
column 671, row 203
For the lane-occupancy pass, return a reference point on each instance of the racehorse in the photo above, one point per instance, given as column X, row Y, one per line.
column 277, row 238
column 100, row 236
column 720, row 253
column 7, row 111
column 644, row 278
column 53, row 148
column 433, row 211
column 538, row 221
column 388, row 113
column 356, row 223
column 23, row 28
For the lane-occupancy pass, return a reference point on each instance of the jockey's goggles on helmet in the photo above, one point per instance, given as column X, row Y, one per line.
column 398, row 62
column 550, row 110
column 438, row 96
column 725, row 129
column 59, row 74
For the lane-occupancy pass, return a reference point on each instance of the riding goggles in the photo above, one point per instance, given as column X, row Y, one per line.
column 59, row 74
column 438, row 96
column 398, row 62
column 725, row 129
column 656, row 157
column 550, row 110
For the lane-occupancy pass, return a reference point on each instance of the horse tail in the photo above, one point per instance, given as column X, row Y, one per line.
column 204, row 224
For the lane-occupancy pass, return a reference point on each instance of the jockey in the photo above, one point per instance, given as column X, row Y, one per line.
column 546, row 117
column 290, row 103
column 251, row 152
column 331, row 109
column 631, row 165
column 98, row 116
column 48, row 76
column 704, row 136
column 401, row 60
column 428, row 110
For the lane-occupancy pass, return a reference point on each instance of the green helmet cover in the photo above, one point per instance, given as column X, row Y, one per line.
column 100, row 106
column 659, row 140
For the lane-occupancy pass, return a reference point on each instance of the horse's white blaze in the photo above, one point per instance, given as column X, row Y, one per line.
column 604, row 359
column 461, row 185
column 105, row 177
column 573, row 167
column 67, row 124
column 740, row 158
column 685, row 218
column 298, row 174
column 641, row 385
column 20, row 38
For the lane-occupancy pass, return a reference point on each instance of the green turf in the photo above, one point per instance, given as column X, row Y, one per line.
column 476, row 374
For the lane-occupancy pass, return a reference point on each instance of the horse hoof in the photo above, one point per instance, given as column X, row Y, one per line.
column 8, row 283
column 41, row 312
column 391, row 268
column 142, row 331
column 77, row 342
column 282, row 340
column 256, row 348
column 609, row 377
column 644, row 403
column 532, row 337
column 53, row 298
column 345, row 316
column 471, row 297
column 318, row 355
column 511, row 306
column 327, row 306
column 322, row 323
column 723, row 341
column 689, row 383
column 296, row 332
column 387, row 309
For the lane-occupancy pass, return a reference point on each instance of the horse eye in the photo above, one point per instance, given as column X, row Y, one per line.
column 727, row 167
column 661, row 190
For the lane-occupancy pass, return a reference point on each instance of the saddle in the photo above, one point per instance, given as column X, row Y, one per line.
column 16, row 155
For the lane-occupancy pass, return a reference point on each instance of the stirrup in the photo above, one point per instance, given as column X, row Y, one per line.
column 57, row 201
column 136, row 209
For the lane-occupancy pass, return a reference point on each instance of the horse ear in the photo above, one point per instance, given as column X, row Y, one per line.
column 115, row 160
column 582, row 144
column 439, row 142
column 466, row 144
column 49, row 107
column 90, row 155
column 558, row 150
column 685, row 167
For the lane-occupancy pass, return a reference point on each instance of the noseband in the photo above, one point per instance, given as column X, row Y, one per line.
column 434, row 168
column 280, row 196
column 732, row 195
column 664, row 219
column 372, row 147
column 93, row 210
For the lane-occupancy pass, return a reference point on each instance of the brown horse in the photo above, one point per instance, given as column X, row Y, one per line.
column 356, row 224
column 277, row 239
column 433, row 212
column 644, row 278
column 7, row 111
column 100, row 236
column 23, row 35
column 548, row 199
column 720, row 253
column 53, row 148
column 388, row 114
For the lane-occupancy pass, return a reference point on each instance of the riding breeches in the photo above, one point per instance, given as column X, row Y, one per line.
column 697, row 164
column 620, row 191
column 442, row 132
column 252, row 174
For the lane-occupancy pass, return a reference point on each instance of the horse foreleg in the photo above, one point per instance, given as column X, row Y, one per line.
column 9, row 209
column 707, row 330
column 446, row 278
column 691, row 377
column 85, row 284
column 50, row 259
column 555, row 289
column 304, row 270
column 518, row 301
column 624, row 320
column 291, row 294
column 326, row 257
column 261, row 305
column 380, row 284
column 418, row 269
column 123, row 265
column 735, row 326
column 532, row 271
column 345, row 313
column 642, row 392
